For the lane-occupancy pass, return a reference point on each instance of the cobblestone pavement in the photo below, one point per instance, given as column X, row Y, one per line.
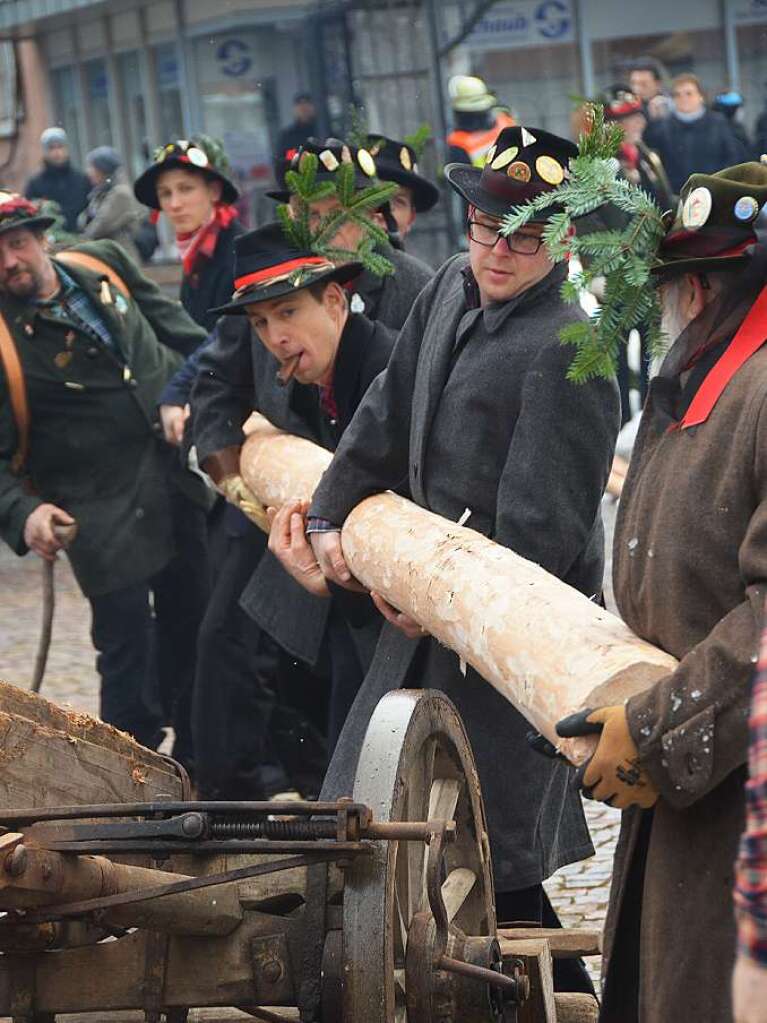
column 579, row 892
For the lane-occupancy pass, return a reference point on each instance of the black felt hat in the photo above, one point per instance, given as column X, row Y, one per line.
column 16, row 211
column 200, row 154
column 713, row 227
column 267, row 266
column 331, row 153
column 522, row 164
column 397, row 161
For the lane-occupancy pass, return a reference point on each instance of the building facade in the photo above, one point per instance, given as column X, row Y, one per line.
column 136, row 73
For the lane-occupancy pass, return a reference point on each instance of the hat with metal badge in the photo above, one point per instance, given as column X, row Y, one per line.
column 199, row 153
column 619, row 102
column 521, row 165
column 17, row 211
column 267, row 266
column 713, row 227
column 397, row 161
column 331, row 153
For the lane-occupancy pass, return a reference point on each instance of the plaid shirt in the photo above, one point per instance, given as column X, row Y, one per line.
column 73, row 304
column 751, row 872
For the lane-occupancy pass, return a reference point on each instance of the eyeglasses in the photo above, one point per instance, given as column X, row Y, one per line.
column 520, row 242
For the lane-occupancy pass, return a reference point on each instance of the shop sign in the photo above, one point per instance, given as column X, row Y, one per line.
column 234, row 57
column 507, row 26
column 750, row 12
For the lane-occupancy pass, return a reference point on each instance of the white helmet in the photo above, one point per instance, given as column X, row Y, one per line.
column 469, row 94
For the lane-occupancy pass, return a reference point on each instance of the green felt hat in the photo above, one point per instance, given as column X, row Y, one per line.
column 713, row 227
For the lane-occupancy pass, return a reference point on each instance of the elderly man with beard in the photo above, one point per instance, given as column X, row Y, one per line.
column 475, row 420
column 690, row 575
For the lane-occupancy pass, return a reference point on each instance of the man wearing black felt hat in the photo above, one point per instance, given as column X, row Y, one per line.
column 397, row 161
column 475, row 420
column 305, row 363
column 690, row 576
column 388, row 299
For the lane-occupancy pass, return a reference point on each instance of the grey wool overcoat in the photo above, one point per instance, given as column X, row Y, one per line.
column 474, row 412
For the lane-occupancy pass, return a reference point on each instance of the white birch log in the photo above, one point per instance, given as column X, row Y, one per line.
column 542, row 644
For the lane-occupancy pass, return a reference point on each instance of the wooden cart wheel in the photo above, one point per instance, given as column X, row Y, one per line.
column 415, row 764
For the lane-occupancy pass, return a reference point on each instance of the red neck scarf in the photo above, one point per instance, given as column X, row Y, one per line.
column 201, row 244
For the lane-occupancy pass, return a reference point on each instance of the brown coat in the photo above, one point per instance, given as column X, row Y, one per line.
column 690, row 573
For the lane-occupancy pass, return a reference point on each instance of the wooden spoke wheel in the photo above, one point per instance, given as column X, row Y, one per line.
column 415, row 765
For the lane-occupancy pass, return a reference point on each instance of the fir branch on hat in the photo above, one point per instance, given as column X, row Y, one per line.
column 355, row 205
column 418, row 140
column 623, row 257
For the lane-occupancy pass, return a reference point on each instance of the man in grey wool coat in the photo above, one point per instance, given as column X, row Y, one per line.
column 474, row 417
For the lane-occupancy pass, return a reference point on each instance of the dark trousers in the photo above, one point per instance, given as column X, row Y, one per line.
column 145, row 635
column 236, row 668
column 532, row 905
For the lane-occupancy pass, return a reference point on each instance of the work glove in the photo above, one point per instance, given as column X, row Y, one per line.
column 613, row 775
column 235, row 490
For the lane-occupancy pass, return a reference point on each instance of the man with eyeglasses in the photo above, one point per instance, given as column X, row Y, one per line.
column 474, row 419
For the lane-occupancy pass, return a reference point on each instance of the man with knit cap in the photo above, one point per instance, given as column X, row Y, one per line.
column 59, row 181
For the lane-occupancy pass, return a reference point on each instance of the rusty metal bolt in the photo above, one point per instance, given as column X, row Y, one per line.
column 272, row 971
column 16, row 862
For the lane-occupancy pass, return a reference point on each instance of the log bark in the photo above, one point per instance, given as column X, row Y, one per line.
column 50, row 756
column 547, row 648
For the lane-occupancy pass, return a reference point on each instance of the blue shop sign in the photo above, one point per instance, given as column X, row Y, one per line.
column 234, row 57
column 525, row 23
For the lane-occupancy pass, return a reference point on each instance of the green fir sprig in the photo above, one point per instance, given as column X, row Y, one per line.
column 419, row 139
column 623, row 257
column 355, row 206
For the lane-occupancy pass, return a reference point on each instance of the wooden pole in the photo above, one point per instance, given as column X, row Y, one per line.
column 543, row 645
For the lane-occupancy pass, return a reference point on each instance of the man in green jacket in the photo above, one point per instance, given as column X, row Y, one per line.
column 94, row 361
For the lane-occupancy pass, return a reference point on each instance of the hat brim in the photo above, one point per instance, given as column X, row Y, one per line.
column 466, row 181
column 145, row 186
column 41, row 223
column 265, row 293
column 675, row 267
column 425, row 194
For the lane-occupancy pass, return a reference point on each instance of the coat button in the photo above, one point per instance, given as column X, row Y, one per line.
column 92, row 353
column 139, row 513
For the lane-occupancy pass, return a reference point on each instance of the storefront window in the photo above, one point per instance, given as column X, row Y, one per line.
column 97, row 84
column 129, row 70
column 697, row 50
column 168, row 91
column 527, row 53
column 751, row 35
column 238, row 100
column 68, row 106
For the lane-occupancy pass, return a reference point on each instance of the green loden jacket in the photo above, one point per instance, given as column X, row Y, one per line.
column 96, row 447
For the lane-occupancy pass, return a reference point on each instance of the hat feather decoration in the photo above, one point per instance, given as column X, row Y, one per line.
column 623, row 257
column 355, row 207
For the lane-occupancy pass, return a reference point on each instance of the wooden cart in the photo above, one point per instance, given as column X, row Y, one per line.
column 119, row 893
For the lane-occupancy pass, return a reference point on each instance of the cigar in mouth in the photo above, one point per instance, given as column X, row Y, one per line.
column 287, row 369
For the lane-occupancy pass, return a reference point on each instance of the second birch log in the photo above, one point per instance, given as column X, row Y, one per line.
column 542, row 644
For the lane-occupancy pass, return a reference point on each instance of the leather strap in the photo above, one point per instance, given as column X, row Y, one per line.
column 98, row 266
column 9, row 356
column 17, row 392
